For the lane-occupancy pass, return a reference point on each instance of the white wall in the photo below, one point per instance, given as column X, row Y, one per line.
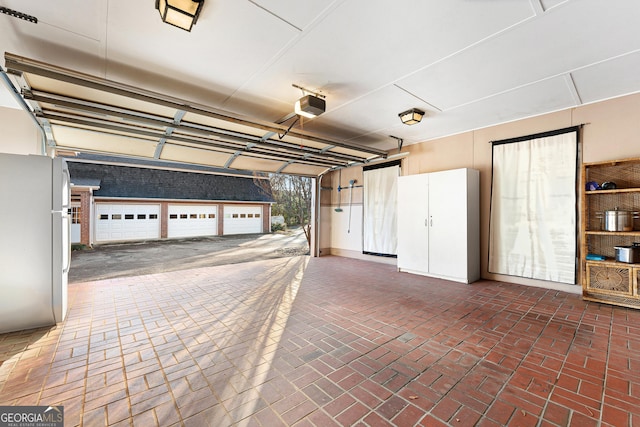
column 337, row 237
column 20, row 135
column 344, row 236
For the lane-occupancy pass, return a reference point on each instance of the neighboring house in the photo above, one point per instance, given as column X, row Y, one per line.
column 124, row 202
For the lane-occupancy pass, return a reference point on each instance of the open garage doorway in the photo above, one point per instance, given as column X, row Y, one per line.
column 245, row 237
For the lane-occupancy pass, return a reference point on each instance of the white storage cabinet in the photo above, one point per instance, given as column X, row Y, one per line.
column 439, row 224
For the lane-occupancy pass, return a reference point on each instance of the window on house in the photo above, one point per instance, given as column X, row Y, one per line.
column 212, row 215
column 235, row 215
column 249, row 215
column 183, row 216
column 193, row 216
column 129, row 216
column 173, row 216
column 142, row 216
column 257, row 215
column 153, row 216
column 76, row 212
column 104, row 216
column 243, row 215
column 116, row 216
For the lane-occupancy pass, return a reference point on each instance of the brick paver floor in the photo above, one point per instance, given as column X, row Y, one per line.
column 327, row 341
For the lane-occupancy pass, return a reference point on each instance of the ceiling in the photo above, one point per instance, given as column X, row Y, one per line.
column 468, row 63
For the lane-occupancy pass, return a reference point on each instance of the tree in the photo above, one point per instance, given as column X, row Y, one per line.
column 292, row 195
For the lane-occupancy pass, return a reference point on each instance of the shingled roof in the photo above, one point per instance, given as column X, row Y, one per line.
column 149, row 183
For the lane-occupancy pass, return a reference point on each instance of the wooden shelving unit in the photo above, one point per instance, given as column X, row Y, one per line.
column 609, row 281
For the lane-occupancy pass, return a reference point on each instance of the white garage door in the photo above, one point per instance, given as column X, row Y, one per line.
column 116, row 222
column 242, row 219
column 192, row 220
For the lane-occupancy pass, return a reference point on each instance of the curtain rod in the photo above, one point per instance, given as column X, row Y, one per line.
column 539, row 135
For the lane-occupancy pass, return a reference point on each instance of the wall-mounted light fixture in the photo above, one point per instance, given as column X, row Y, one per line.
column 180, row 13
column 411, row 117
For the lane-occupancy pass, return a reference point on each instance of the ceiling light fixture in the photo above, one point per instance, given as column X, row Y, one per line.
column 309, row 106
column 180, row 13
column 411, row 117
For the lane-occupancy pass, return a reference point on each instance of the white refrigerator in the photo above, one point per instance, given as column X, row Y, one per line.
column 35, row 252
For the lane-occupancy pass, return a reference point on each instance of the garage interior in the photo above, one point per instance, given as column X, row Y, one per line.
column 340, row 337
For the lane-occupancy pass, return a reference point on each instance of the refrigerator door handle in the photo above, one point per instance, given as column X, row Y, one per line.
column 67, row 244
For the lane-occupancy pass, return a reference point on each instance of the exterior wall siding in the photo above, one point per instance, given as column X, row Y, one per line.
column 221, row 219
column 266, row 218
column 85, row 217
column 164, row 220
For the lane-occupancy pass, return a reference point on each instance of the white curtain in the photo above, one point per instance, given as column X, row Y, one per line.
column 380, row 211
column 533, row 208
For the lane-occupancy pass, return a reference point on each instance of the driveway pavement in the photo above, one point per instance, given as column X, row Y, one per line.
column 134, row 259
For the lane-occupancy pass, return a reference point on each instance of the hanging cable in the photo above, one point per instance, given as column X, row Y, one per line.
column 289, row 129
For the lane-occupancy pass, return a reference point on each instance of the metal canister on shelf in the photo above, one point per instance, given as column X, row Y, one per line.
column 628, row 254
column 617, row 219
